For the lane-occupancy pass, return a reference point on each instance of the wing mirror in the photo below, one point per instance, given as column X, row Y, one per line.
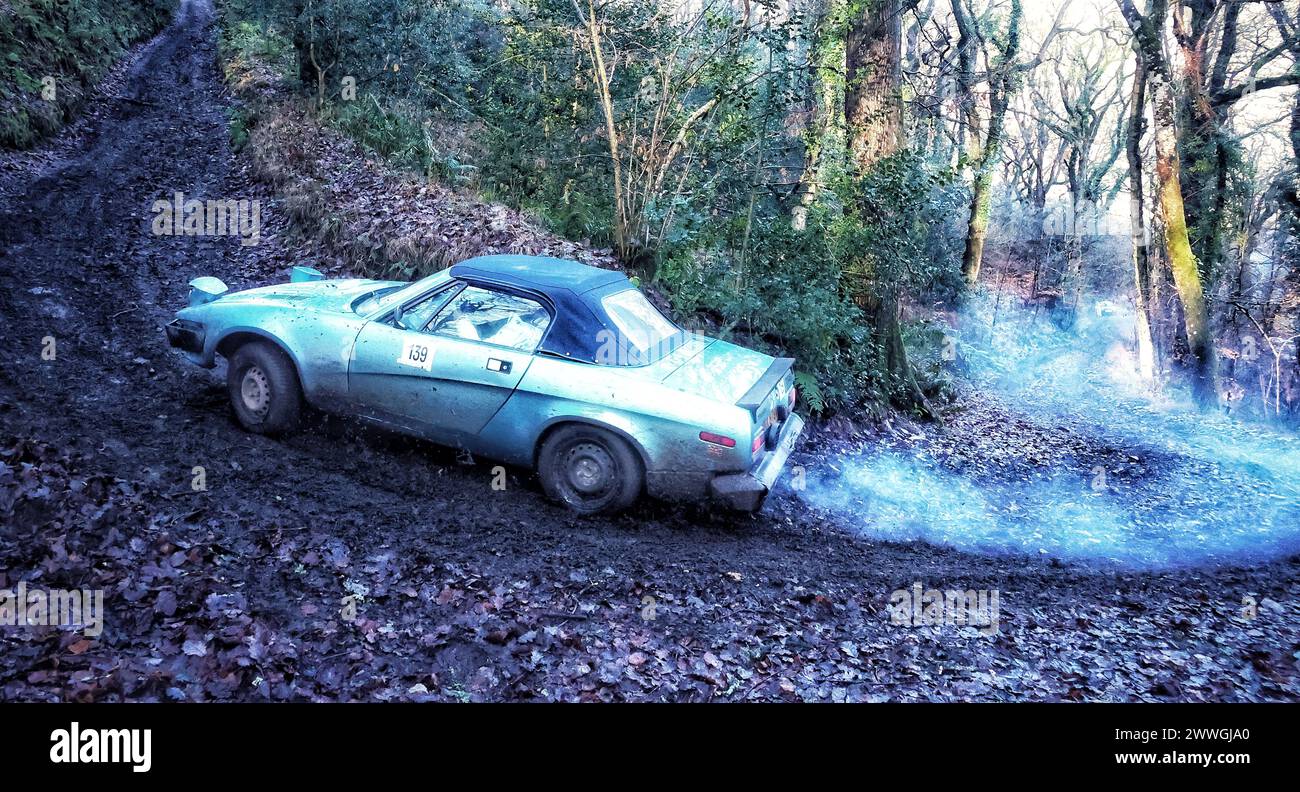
column 205, row 290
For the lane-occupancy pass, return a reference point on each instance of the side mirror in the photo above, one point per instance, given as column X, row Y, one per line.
column 205, row 290
column 305, row 275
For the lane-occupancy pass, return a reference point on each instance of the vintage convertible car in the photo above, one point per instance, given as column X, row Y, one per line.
column 531, row 361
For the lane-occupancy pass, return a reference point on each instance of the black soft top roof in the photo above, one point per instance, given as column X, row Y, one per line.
column 581, row 330
column 538, row 272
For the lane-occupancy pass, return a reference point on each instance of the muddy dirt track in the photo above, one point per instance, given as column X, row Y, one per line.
column 342, row 563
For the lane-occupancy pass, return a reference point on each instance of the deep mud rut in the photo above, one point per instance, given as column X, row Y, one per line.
column 460, row 590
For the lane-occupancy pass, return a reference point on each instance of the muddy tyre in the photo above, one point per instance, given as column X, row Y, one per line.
column 590, row 470
column 264, row 389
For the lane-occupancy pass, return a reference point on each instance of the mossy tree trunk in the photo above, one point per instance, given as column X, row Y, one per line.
column 1003, row 74
column 873, row 116
column 1203, row 145
column 821, row 112
column 1178, row 249
column 873, row 109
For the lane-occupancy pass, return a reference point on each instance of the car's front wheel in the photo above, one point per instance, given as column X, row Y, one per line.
column 589, row 469
column 264, row 388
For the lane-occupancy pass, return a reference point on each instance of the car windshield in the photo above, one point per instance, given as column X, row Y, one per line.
column 647, row 333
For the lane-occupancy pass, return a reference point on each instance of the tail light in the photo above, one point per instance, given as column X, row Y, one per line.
column 758, row 443
column 717, row 439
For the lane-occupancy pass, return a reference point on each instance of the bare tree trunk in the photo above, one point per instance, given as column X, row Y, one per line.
column 1291, row 201
column 1137, row 218
column 1073, row 248
column 1289, row 28
column 968, row 119
column 1158, row 302
column 601, row 76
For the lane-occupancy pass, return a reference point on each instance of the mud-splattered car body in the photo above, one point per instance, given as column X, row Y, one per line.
column 493, row 354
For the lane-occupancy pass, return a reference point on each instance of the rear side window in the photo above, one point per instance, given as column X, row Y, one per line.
column 494, row 318
column 644, row 330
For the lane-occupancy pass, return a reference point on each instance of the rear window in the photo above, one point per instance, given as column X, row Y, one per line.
column 645, row 333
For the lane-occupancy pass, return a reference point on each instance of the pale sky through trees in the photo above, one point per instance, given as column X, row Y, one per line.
column 1260, row 119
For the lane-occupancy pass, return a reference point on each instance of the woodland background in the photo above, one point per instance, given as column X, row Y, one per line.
column 839, row 180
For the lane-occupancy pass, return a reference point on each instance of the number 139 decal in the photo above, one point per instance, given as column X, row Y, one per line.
column 416, row 353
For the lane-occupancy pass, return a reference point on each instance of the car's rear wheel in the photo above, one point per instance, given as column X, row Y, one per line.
column 264, row 388
column 590, row 470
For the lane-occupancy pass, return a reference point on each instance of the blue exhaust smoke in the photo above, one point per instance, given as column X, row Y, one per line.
column 1161, row 484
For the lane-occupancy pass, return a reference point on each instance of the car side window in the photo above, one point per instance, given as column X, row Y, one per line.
column 493, row 317
column 417, row 314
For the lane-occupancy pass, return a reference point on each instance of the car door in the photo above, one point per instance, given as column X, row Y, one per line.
column 445, row 363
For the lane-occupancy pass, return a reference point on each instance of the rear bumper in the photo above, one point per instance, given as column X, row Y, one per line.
column 746, row 491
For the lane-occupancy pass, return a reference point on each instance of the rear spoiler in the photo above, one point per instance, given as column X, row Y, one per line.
column 754, row 397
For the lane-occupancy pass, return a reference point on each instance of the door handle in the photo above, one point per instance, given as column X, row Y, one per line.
column 500, row 366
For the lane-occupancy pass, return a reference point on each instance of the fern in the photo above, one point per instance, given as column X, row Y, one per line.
column 809, row 391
